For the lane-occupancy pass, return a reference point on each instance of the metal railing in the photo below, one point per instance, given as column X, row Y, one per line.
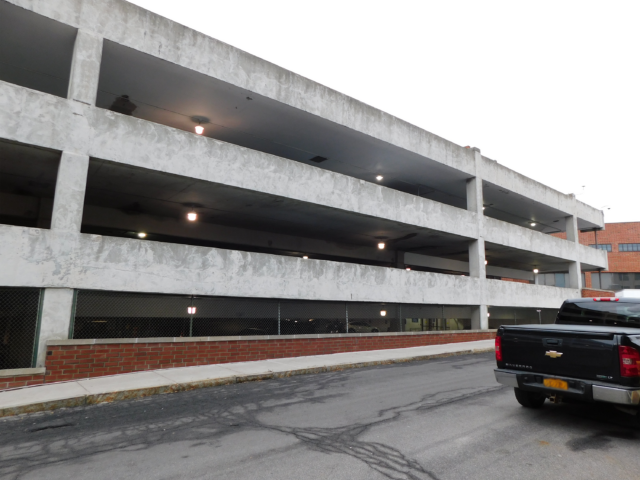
column 19, row 315
column 100, row 314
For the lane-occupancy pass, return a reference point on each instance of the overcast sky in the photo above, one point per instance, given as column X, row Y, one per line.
column 550, row 89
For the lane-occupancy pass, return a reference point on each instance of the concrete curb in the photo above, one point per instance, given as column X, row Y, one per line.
column 79, row 400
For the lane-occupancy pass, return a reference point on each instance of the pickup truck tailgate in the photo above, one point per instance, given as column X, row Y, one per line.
column 589, row 355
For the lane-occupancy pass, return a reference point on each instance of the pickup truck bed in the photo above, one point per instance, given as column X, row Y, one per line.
column 579, row 361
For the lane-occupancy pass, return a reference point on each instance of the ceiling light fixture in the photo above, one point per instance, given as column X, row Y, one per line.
column 191, row 310
column 533, row 224
column 192, row 216
column 408, row 269
column 305, row 257
column 381, row 246
column 383, row 313
column 200, row 121
column 142, row 235
column 535, row 270
column 379, row 177
column 486, row 262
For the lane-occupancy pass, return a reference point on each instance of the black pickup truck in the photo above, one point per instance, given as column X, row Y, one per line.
column 591, row 353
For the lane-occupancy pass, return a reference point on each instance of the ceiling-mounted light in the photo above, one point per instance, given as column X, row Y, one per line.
column 381, row 246
column 191, row 310
column 142, row 235
column 192, row 216
column 535, row 270
column 379, row 177
column 305, row 257
column 533, row 224
column 200, row 121
column 486, row 262
column 488, row 314
column 383, row 313
column 408, row 269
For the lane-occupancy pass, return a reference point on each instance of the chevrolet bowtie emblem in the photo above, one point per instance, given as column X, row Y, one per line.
column 553, row 354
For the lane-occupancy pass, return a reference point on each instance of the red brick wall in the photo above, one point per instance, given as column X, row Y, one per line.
column 67, row 362
column 589, row 292
column 20, row 381
column 614, row 234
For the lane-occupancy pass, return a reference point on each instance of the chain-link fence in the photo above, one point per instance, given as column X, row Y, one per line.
column 19, row 311
column 134, row 315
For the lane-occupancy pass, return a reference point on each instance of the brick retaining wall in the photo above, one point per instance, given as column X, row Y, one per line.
column 75, row 359
column 21, row 378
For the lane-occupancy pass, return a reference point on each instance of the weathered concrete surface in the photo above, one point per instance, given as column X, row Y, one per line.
column 56, row 318
column 145, row 31
column 502, row 176
column 85, row 68
column 522, row 238
column 110, row 136
column 71, row 184
column 36, row 257
column 142, row 384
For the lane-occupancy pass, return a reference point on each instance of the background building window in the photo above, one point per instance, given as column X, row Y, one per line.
column 602, row 246
column 628, row 247
column 616, row 281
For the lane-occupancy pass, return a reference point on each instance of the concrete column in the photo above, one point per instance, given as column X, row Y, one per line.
column 575, row 272
column 477, row 267
column 479, row 318
column 85, row 68
column 475, row 203
column 56, row 319
column 71, row 184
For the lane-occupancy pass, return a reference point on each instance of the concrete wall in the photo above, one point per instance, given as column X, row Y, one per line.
column 44, row 258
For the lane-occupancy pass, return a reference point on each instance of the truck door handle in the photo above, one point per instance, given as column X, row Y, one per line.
column 552, row 342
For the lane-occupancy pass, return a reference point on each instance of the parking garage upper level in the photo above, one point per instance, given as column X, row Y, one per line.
column 157, row 70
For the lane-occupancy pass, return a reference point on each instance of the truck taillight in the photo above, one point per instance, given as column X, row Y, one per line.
column 499, row 349
column 629, row 361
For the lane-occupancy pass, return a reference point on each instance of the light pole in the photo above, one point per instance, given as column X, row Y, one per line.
column 539, row 315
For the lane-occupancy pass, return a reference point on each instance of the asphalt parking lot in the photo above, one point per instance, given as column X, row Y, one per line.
column 436, row 419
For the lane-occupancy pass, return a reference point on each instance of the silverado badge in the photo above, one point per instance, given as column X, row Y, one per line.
column 553, row 354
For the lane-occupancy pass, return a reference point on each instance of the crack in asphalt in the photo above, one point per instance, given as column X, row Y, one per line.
column 209, row 420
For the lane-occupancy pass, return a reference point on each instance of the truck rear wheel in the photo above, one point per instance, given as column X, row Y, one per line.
column 529, row 399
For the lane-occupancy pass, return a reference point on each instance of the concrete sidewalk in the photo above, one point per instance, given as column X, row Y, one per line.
column 141, row 384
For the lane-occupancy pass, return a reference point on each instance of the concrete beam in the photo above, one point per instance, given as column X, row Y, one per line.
column 439, row 263
column 44, row 258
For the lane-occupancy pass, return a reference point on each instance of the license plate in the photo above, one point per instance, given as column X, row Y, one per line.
column 556, row 383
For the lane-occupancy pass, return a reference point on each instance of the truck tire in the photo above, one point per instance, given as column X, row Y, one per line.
column 529, row 399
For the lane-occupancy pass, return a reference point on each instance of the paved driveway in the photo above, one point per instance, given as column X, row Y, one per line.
column 438, row 419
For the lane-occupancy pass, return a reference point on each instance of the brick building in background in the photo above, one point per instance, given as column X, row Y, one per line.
column 622, row 242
